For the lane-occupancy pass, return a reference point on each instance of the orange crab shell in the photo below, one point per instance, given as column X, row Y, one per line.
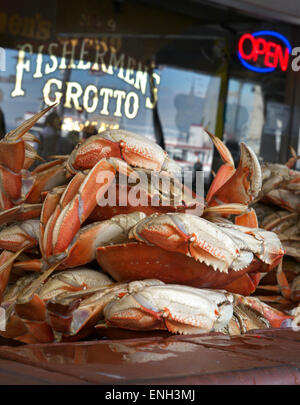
column 138, row 261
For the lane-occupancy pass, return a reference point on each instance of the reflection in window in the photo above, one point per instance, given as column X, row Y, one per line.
column 117, row 98
column 113, row 98
column 244, row 117
column 187, row 102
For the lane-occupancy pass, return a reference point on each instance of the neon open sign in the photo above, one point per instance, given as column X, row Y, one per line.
column 260, row 47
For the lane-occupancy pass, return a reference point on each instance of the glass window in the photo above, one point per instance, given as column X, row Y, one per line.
column 244, row 118
column 260, row 96
column 187, row 103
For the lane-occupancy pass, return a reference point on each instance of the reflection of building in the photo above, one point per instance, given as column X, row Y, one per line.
column 74, row 123
column 199, row 146
column 236, row 121
column 188, row 107
column 256, row 120
column 209, row 113
column 198, row 137
column 109, row 75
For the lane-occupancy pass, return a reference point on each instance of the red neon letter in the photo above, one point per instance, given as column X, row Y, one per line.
column 241, row 43
column 283, row 59
column 260, row 47
column 273, row 54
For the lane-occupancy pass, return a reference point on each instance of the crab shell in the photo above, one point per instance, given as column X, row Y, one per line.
column 135, row 149
column 183, row 248
column 61, row 222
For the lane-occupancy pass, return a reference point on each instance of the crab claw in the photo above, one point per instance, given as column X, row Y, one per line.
column 179, row 309
column 190, row 235
column 135, row 149
column 264, row 244
column 6, row 266
column 30, row 155
column 183, row 248
column 235, row 186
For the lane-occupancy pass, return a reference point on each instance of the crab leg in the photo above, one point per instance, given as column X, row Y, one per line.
column 79, row 208
column 20, row 212
column 83, row 248
column 50, row 204
column 275, row 317
column 20, row 329
column 248, row 219
column 295, row 293
column 43, row 180
column 30, row 155
column 244, row 185
column 19, row 236
column 76, row 204
column 29, row 305
column 25, row 331
column 35, row 265
column 293, row 159
column 282, row 282
column 5, row 271
column 54, row 203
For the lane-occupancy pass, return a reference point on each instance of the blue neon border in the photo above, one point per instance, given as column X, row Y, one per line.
column 265, row 33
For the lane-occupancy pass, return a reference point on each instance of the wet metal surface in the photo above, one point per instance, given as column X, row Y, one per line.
column 260, row 357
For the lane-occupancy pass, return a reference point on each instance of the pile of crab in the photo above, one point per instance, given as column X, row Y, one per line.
column 278, row 210
column 71, row 266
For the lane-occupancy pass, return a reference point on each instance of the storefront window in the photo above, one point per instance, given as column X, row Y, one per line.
column 180, row 74
column 165, row 75
column 244, row 114
column 260, row 97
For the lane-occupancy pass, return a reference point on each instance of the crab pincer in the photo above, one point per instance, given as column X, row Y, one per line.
column 184, row 248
